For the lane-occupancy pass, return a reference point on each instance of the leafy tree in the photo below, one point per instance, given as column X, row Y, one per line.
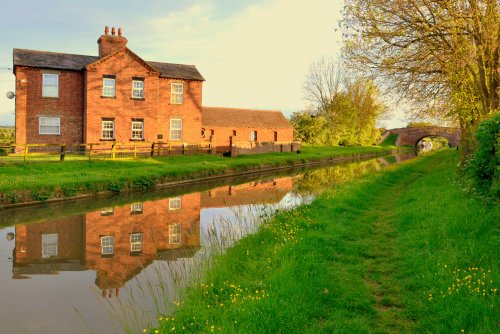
column 442, row 54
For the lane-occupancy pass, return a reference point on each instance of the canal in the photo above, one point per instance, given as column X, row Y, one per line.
column 111, row 264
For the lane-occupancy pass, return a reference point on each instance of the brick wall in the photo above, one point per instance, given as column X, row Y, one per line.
column 223, row 135
column 30, row 105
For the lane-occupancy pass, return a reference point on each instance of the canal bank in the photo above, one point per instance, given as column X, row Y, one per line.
column 32, row 184
column 96, row 259
column 405, row 250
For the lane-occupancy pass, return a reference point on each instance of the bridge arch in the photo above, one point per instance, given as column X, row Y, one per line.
column 411, row 136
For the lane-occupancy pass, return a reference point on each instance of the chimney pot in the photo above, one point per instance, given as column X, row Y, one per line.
column 119, row 31
column 106, row 30
column 113, row 31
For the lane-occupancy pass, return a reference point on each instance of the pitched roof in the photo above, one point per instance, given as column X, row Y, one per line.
column 67, row 61
column 250, row 118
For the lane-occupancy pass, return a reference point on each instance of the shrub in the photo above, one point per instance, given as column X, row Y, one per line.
column 483, row 165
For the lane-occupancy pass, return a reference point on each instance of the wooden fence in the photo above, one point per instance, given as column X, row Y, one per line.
column 108, row 150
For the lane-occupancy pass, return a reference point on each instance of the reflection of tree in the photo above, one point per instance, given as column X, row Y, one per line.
column 312, row 182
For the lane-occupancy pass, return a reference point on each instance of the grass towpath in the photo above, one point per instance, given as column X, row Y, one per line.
column 403, row 251
column 40, row 181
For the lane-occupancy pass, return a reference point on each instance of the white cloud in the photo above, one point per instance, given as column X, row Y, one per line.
column 256, row 58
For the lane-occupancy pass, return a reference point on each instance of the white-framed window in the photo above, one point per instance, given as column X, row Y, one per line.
column 138, row 129
column 108, row 87
column 136, row 242
column 107, row 211
column 175, row 129
column 50, row 85
column 108, row 129
column 174, row 203
column 176, row 93
column 107, row 245
column 49, row 245
column 136, row 208
column 49, row 125
column 253, row 135
column 174, row 233
column 138, row 89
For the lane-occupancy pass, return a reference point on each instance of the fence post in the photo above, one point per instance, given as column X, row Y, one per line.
column 113, row 151
column 63, row 153
column 90, row 152
column 135, row 151
column 26, row 152
column 152, row 149
column 169, row 148
column 184, row 148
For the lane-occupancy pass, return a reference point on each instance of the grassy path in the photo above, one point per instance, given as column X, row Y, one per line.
column 403, row 251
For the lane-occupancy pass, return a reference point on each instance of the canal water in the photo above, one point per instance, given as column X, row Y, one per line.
column 109, row 265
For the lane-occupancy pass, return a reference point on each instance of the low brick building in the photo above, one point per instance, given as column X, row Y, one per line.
column 117, row 96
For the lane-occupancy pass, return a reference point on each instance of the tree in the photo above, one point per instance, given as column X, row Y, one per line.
column 442, row 54
column 343, row 110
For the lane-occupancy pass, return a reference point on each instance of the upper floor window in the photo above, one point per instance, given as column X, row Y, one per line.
column 138, row 129
column 136, row 242
column 49, row 126
column 109, row 86
column 175, row 129
column 108, row 129
column 136, row 208
column 107, row 245
column 176, row 93
column 253, row 136
column 50, row 85
column 137, row 88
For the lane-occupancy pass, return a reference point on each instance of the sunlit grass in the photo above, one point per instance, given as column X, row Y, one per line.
column 379, row 255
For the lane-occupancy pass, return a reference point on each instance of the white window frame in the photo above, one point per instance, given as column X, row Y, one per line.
column 50, row 244
column 43, row 127
column 107, row 245
column 137, row 92
column 136, row 242
column 103, row 129
column 253, row 135
column 174, row 234
column 108, row 90
column 47, row 88
column 176, row 94
column 174, row 203
column 136, row 208
column 137, row 130
column 173, row 131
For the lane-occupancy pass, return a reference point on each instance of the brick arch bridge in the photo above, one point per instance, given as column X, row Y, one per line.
column 411, row 136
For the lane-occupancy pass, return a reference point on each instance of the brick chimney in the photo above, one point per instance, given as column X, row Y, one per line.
column 110, row 43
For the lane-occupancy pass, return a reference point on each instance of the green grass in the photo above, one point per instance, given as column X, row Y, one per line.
column 390, row 140
column 40, row 181
column 377, row 255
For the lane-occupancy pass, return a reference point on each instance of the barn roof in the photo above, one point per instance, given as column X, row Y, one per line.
column 246, row 118
column 67, row 61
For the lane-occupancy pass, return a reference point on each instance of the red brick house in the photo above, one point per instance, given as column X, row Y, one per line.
column 118, row 96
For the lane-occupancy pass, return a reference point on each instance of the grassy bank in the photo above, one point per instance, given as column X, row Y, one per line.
column 41, row 181
column 401, row 251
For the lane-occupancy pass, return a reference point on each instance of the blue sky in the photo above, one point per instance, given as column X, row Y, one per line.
column 253, row 54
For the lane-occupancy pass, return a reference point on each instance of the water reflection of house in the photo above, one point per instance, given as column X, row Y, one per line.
column 119, row 242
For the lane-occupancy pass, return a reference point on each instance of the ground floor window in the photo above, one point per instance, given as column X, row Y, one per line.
column 108, row 129
column 49, row 245
column 49, row 126
column 175, row 129
column 137, row 129
column 253, row 136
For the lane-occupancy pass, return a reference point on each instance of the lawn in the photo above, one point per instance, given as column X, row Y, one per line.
column 42, row 180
